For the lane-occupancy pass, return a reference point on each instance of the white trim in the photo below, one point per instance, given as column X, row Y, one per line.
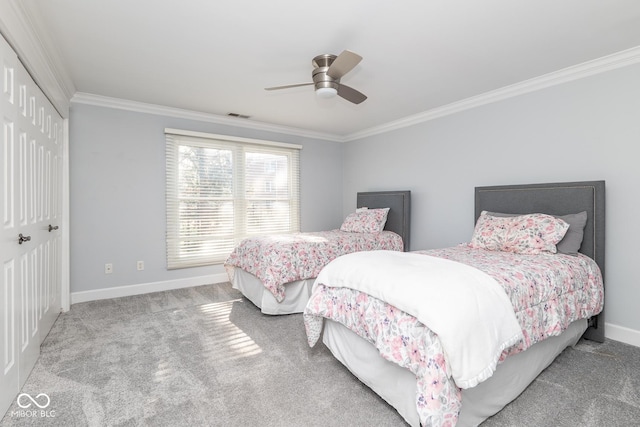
column 65, row 281
column 231, row 138
column 22, row 26
column 622, row 334
column 141, row 107
column 576, row 72
column 146, row 288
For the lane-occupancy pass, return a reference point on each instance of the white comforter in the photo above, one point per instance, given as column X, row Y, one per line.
column 468, row 310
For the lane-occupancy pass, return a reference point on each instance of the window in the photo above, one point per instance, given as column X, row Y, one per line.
column 222, row 189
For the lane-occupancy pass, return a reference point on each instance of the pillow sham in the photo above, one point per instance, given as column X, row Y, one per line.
column 523, row 234
column 365, row 221
column 572, row 240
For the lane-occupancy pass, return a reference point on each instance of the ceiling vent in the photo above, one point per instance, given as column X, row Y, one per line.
column 240, row 116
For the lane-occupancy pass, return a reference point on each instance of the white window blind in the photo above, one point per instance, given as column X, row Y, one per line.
column 222, row 189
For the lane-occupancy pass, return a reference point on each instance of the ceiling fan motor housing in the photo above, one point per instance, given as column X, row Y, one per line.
column 320, row 77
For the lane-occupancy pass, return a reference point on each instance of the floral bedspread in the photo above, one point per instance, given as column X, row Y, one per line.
column 548, row 292
column 279, row 259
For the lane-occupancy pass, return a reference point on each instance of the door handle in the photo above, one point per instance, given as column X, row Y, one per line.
column 51, row 228
column 22, row 239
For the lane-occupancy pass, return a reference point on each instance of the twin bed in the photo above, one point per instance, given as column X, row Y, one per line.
column 431, row 379
column 432, row 334
column 277, row 272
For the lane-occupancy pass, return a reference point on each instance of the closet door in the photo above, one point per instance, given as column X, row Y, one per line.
column 38, row 178
column 10, row 251
column 30, row 183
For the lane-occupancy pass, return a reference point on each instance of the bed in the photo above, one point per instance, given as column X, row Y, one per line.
column 404, row 362
column 276, row 272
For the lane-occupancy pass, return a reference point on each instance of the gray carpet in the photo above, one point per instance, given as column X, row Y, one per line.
column 207, row 357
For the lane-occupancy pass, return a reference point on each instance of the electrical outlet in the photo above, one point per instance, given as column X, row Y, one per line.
column 108, row 268
column 140, row 265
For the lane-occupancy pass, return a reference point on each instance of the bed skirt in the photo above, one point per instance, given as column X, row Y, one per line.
column 397, row 385
column 296, row 296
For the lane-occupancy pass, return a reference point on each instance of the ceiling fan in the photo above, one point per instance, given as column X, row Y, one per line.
column 328, row 70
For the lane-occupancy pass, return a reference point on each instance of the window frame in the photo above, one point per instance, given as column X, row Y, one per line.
column 178, row 257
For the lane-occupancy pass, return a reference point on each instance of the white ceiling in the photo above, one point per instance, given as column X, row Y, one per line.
column 217, row 57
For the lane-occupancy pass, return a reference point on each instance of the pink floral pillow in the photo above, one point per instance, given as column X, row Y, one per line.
column 524, row 234
column 366, row 221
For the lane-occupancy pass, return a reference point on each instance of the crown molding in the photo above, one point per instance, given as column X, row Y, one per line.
column 23, row 28
column 586, row 69
column 141, row 107
column 576, row 72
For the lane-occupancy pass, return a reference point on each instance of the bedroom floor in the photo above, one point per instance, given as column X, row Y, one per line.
column 206, row 356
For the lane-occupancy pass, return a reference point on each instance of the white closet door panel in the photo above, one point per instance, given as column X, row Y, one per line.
column 10, row 254
column 29, row 326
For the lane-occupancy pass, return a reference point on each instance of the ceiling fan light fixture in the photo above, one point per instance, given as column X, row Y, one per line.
column 326, row 92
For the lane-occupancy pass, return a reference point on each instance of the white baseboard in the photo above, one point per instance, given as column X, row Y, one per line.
column 146, row 288
column 622, row 334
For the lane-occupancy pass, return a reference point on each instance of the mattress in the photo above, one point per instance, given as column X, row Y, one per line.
column 397, row 385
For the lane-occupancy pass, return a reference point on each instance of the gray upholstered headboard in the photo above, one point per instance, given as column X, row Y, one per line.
column 399, row 204
column 556, row 199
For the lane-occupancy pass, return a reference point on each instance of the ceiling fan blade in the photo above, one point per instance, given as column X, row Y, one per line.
column 350, row 94
column 344, row 63
column 288, row 86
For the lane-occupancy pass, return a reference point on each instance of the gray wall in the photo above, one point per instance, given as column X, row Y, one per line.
column 583, row 130
column 117, row 194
